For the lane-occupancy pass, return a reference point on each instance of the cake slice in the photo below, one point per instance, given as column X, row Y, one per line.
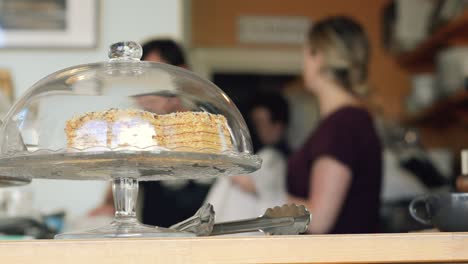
column 135, row 129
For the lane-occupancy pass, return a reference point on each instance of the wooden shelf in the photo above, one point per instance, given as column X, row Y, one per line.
column 449, row 111
column 444, row 124
column 376, row 248
column 422, row 58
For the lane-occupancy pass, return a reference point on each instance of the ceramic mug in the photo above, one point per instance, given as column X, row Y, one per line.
column 444, row 211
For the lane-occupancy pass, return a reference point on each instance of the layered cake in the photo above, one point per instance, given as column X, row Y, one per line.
column 135, row 129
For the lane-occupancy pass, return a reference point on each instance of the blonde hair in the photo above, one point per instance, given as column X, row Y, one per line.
column 345, row 48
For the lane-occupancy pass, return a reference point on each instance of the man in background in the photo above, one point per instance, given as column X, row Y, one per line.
column 163, row 203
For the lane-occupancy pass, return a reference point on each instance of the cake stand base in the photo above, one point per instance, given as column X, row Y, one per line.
column 125, row 229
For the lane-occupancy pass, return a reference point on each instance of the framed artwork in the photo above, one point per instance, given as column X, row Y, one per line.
column 48, row 23
column 6, row 84
column 6, row 91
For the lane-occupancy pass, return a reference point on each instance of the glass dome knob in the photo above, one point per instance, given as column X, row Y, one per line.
column 125, row 50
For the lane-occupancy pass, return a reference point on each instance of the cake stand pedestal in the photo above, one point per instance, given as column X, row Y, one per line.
column 125, row 223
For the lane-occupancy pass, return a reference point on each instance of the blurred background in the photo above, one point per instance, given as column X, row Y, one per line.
column 418, row 74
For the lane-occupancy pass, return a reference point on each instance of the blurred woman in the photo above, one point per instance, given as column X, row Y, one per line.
column 337, row 172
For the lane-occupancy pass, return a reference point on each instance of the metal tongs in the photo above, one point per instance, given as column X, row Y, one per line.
column 285, row 220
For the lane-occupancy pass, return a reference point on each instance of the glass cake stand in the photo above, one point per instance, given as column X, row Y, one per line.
column 34, row 140
column 125, row 169
column 7, row 181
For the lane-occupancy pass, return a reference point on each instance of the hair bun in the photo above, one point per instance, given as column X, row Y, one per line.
column 345, row 47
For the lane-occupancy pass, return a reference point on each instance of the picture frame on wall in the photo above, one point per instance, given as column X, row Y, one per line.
column 48, row 23
column 6, row 85
column 6, row 91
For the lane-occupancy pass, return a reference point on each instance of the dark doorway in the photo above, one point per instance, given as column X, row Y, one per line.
column 242, row 87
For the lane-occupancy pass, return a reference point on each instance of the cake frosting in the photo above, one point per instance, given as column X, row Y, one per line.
column 135, row 129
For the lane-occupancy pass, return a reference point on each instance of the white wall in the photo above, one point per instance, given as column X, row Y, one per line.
column 118, row 20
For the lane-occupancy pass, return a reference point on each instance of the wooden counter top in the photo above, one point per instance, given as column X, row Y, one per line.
column 413, row 247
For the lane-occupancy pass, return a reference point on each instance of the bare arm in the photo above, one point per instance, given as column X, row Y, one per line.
column 107, row 207
column 245, row 182
column 268, row 180
column 330, row 181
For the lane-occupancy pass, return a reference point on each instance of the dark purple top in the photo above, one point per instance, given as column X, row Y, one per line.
column 347, row 135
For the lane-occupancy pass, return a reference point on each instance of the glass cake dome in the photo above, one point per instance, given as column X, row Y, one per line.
column 124, row 120
column 83, row 122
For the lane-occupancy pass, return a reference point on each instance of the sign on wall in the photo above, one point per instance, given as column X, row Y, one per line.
column 48, row 23
column 272, row 29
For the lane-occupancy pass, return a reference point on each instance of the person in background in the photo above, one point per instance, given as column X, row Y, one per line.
column 162, row 203
column 248, row 196
column 338, row 171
